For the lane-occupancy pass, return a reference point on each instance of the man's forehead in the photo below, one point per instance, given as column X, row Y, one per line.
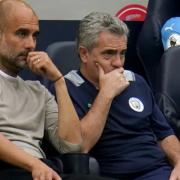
column 21, row 11
column 24, row 18
column 111, row 41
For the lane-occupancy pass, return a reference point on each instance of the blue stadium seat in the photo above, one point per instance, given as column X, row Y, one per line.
column 149, row 45
column 161, row 67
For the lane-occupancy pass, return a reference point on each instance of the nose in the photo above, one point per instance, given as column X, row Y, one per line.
column 118, row 61
column 30, row 43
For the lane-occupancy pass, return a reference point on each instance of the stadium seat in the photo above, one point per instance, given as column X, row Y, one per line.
column 161, row 67
column 168, row 88
column 149, row 45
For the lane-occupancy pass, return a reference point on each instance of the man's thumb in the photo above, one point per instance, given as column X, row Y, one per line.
column 100, row 69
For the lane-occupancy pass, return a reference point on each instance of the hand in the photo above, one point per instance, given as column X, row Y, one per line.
column 175, row 174
column 40, row 171
column 40, row 63
column 112, row 83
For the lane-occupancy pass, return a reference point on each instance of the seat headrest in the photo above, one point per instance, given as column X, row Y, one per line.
column 169, row 76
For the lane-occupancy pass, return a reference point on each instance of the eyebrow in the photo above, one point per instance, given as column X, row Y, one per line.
column 113, row 51
column 124, row 50
column 110, row 51
column 26, row 30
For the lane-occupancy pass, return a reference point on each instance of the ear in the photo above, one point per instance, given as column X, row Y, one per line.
column 83, row 52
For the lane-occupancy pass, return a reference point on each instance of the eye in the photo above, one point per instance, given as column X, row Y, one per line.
column 35, row 35
column 109, row 54
column 123, row 53
column 172, row 41
column 22, row 33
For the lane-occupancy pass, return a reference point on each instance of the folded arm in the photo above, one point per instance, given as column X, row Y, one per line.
column 12, row 154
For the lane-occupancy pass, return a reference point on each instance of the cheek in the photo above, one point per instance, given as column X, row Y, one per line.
column 93, row 67
column 123, row 60
column 8, row 50
column 107, row 70
column 4, row 46
column 106, row 65
column 13, row 41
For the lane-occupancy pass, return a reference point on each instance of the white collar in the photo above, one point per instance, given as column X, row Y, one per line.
column 7, row 76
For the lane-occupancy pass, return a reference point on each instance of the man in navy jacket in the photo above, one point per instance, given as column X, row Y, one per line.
column 120, row 121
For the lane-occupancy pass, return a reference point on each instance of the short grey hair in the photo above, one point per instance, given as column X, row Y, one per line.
column 95, row 23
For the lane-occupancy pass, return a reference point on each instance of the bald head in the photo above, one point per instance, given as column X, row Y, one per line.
column 9, row 8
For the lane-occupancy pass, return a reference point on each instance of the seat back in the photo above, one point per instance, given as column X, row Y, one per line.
column 149, row 45
column 161, row 67
column 64, row 56
column 26, row 74
column 168, row 87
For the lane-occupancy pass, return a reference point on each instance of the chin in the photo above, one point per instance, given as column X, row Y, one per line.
column 22, row 64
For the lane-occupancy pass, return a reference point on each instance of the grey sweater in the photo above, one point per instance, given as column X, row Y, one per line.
column 28, row 112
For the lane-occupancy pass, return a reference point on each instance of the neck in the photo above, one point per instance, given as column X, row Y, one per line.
column 89, row 78
column 8, row 69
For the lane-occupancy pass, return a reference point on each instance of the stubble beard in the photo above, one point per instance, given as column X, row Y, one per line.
column 8, row 56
